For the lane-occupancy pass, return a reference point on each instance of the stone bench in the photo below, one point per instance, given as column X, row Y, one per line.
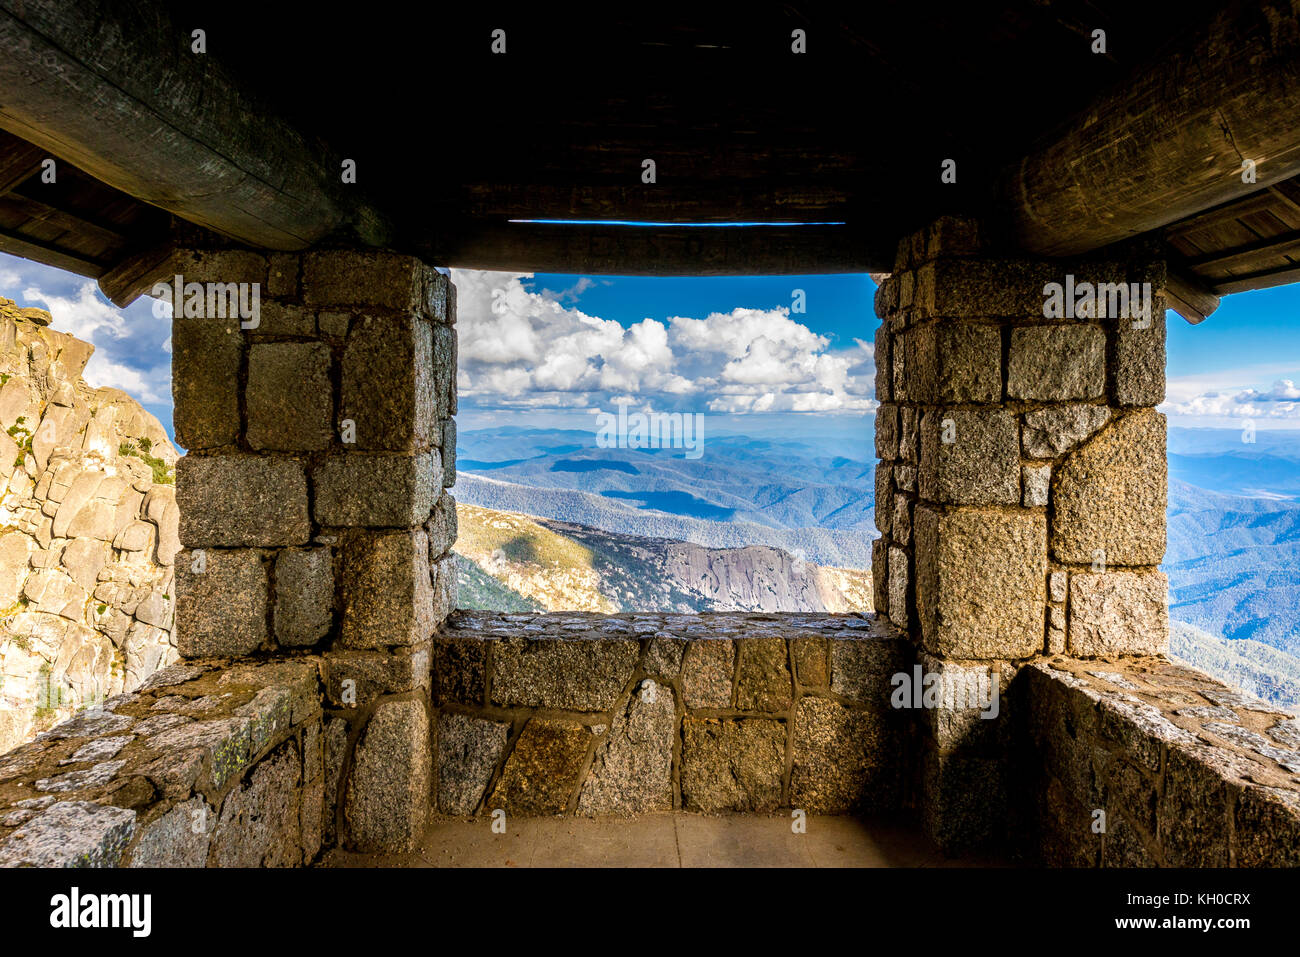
column 251, row 763
column 1188, row 772
column 591, row 714
column 206, row 763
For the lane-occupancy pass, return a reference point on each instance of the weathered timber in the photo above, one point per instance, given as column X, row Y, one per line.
column 133, row 276
column 1189, row 298
column 1285, row 245
column 660, row 251
column 1262, row 280
column 1172, row 140
column 19, row 160
column 114, row 88
column 51, row 255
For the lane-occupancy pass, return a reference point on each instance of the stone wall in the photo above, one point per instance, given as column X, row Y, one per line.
column 313, row 512
column 1020, row 492
column 88, row 532
column 207, row 763
column 237, row 763
column 588, row 714
column 1021, row 501
column 1140, row 762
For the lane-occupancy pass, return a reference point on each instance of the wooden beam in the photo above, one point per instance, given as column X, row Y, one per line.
column 656, row 251
column 817, row 198
column 1282, row 245
column 47, row 253
column 135, row 275
column 1228, row 213
column 1284, row 193
column 19, row 161
column 1170, row 141
column 111, row 86
column 82, row 229
column 1265, row 279
column 1189, row 297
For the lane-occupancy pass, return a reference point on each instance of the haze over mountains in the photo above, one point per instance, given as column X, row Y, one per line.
column 1218, row 460
column 806, row 497
column 1234, row 521
column 1234, row 535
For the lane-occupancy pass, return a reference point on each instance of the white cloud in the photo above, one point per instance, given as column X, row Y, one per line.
column 1283, row 390
column 731, row 333
column 150, row 386
column 1233, row 394
column 132, row 346
column 525, row 349
column 85, row 316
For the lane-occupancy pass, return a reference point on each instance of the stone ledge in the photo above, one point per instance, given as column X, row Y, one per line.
column 207, row 762
column 625, row 714
column 1190, row 772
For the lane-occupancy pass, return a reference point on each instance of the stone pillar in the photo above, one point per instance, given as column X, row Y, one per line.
column 319, row 443
column 1020, row 492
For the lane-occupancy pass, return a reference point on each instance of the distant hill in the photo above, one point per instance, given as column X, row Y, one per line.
column 1234, row 517
column 780, row 484
column 1232, row 564
column 847, row 548
column 475, row 588
column 1253, row 667
column 515, row 562
column 1218, row 460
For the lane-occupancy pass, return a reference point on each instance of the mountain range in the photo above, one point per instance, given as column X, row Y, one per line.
column 806, row 497
column 653, row 528
column 1232, row 565
column 513, row 562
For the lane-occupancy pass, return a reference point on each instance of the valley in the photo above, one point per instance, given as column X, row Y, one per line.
column 550, row 520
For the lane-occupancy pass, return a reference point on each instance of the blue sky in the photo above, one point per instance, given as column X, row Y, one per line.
column 550, row 349
column 1242, row 362
column 752, row 353
column 132, row 346
column 838, row 306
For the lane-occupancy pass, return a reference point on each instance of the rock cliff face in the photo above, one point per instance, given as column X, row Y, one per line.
column 515, row 562
column 88, row 532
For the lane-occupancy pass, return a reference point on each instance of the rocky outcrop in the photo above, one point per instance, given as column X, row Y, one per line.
column 217, row 763
column 562, row 566
column 88, row 532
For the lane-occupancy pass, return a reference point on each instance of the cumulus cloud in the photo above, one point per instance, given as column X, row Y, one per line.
column 533, row 349
column 132, row 346
column 147, row 386
column 83, row 314
column 1284, row 390
column 1231, row 398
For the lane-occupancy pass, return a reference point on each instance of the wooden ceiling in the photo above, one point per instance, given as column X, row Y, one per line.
column 1252, row 243
column 75, row 222
column 453, row 143
column 464, row 141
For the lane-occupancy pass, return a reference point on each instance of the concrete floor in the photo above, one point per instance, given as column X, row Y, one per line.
column 665, row 840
